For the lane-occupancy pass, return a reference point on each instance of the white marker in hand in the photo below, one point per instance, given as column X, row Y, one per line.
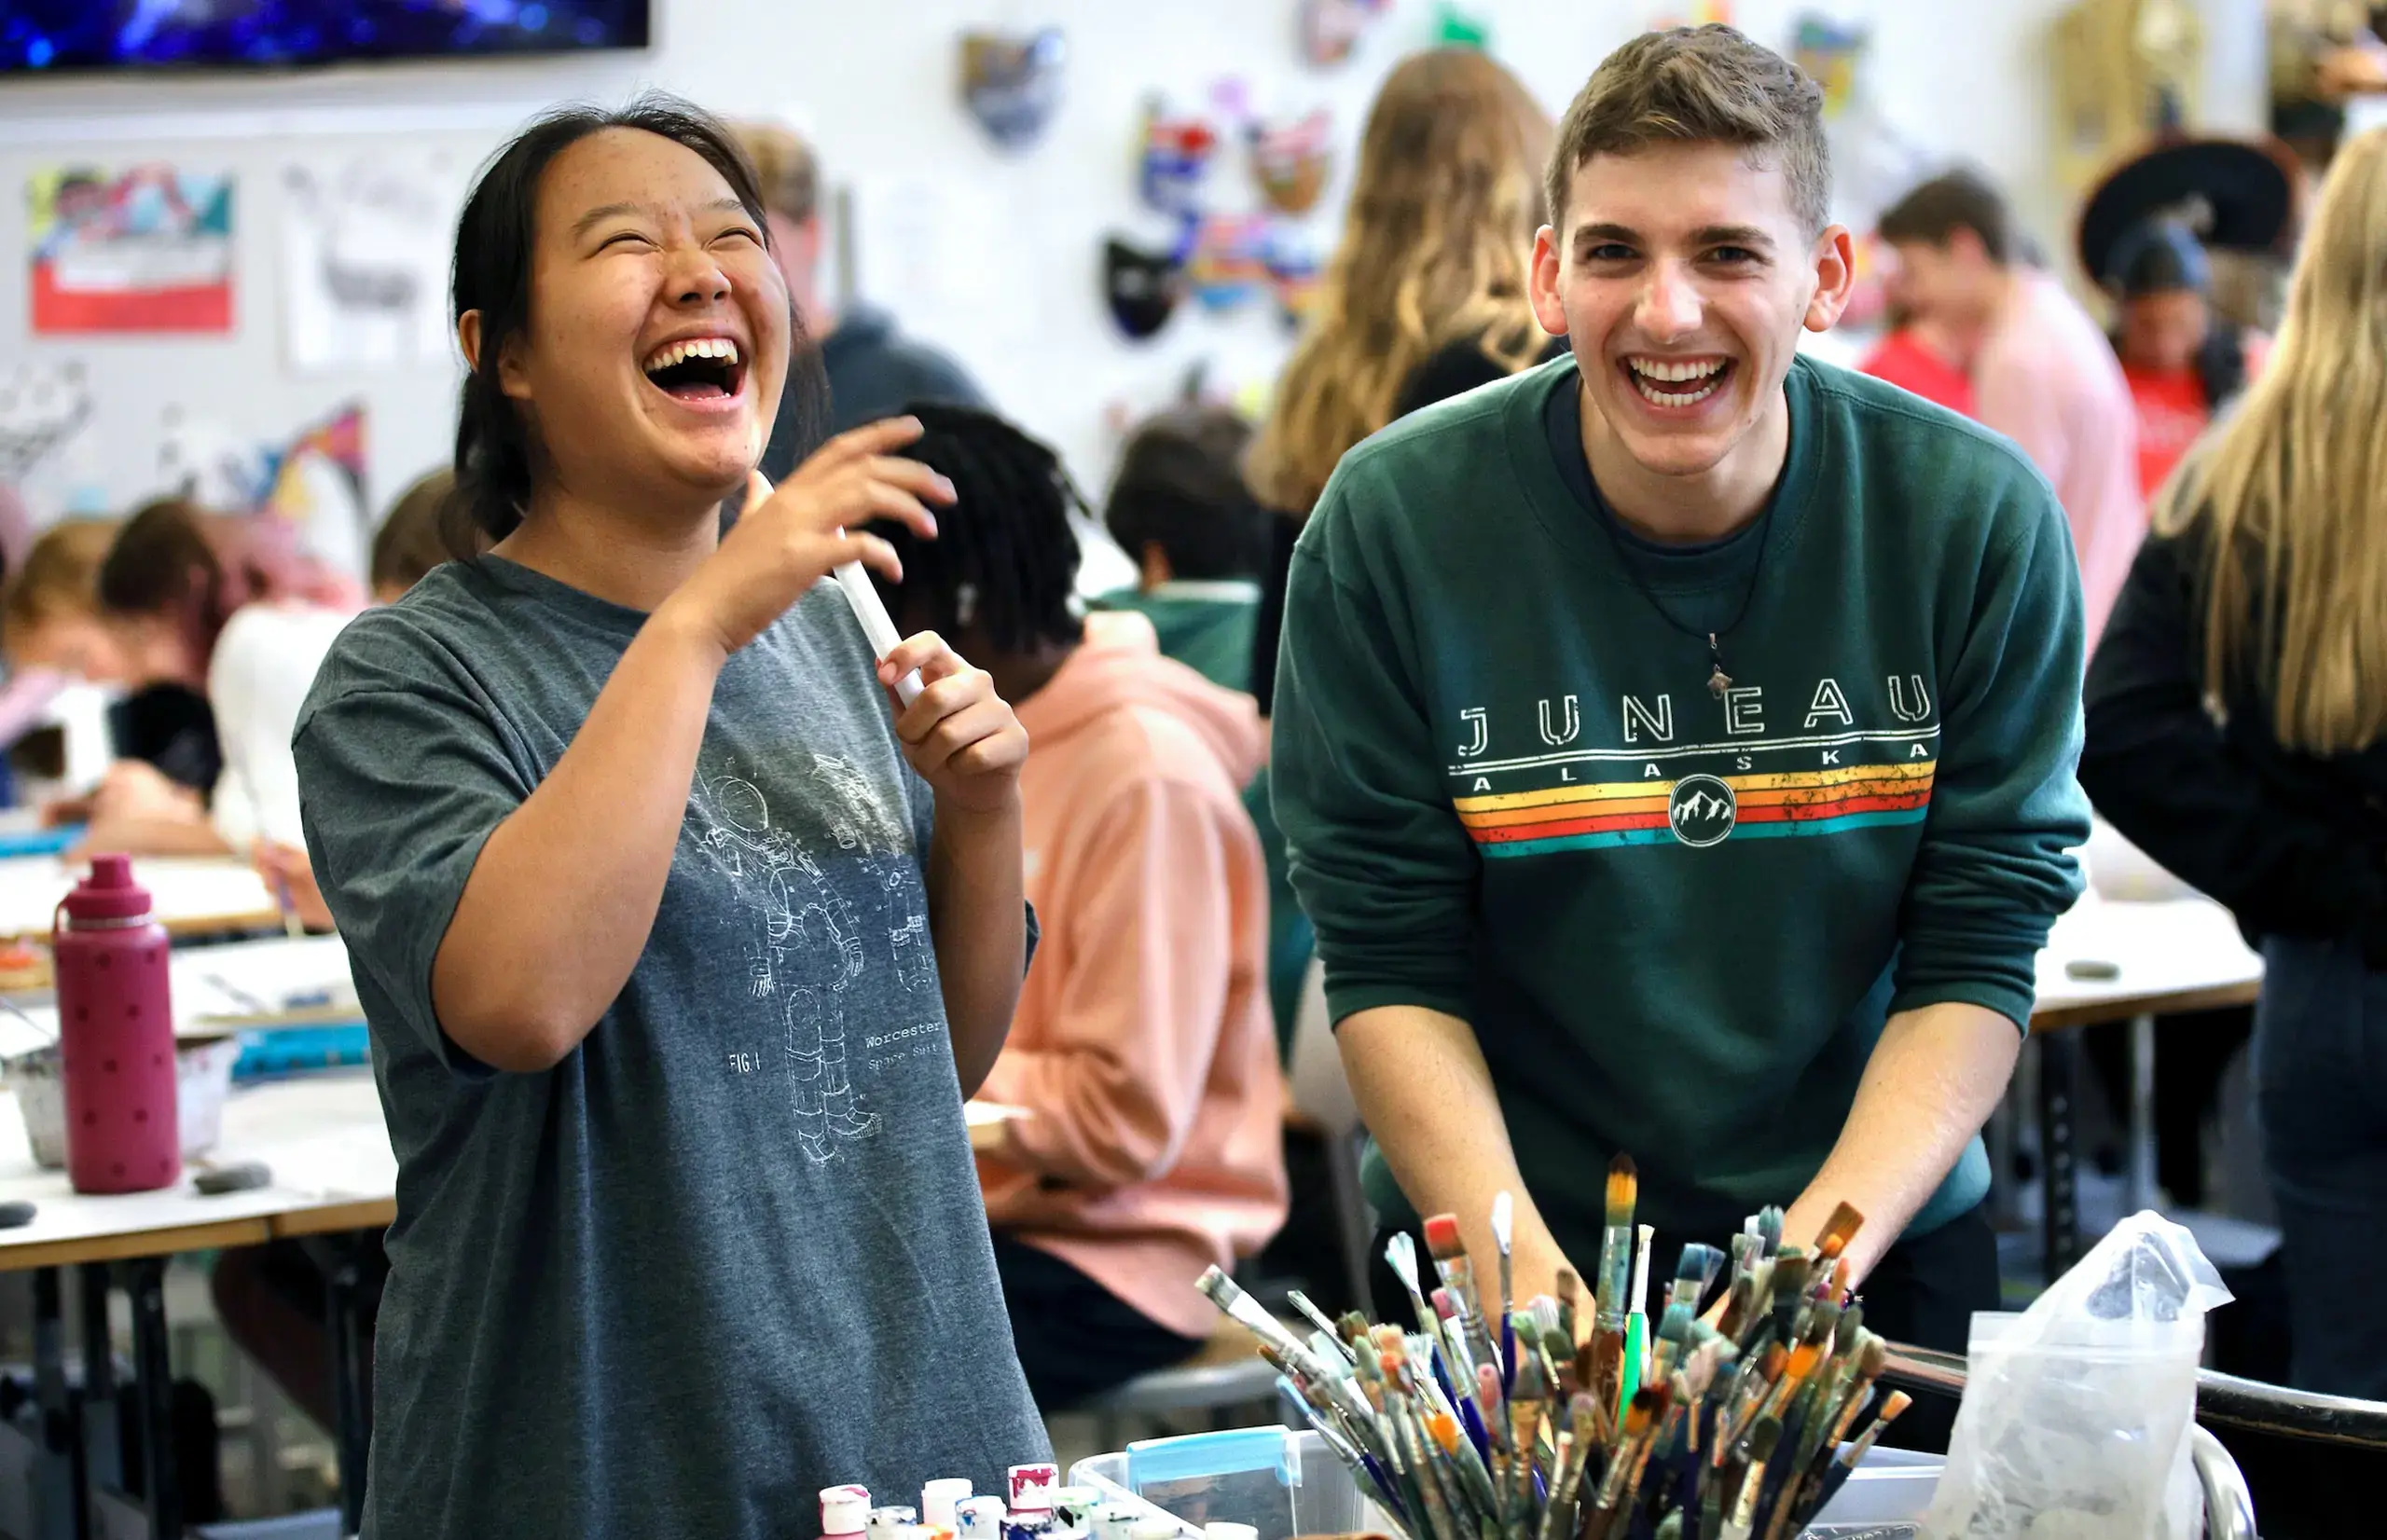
column 877, row 623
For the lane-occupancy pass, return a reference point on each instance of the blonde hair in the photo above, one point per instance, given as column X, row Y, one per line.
column 2290, row 493
column 785, row 169
column 1444, row 208
column 58, row 576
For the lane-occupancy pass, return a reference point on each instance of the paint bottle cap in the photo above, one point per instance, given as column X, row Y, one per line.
column 940, row 1500
column 844, row 1511
column 1230, row 1531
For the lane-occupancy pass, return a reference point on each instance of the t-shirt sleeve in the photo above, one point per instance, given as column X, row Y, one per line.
column 1995, row 867
column 402, row 786
column 1383, row 870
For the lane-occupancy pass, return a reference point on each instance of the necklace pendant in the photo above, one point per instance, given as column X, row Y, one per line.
column 1719, row 682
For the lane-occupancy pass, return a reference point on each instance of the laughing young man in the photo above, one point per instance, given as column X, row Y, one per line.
column 1676, row 742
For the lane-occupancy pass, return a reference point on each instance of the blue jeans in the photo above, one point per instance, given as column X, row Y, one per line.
column 2321, row 1087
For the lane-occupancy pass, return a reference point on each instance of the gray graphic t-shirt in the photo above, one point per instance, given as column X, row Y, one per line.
column 731, row 1250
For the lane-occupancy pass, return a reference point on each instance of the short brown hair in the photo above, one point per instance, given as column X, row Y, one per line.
column 1959, row 201
column 413, row 536
column 785, row 167
column 60, row 574
column 1699, row 85
column 1181, row 486
column 161, row 555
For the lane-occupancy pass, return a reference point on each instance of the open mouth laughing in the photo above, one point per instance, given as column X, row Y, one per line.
column 697, row 370
column 1677, row 383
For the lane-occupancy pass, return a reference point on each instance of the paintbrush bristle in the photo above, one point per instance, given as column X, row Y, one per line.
column 1528, row 1386
column 1582, row 1413
column 1642, row 1410
column 1444, row 1306
column 1675, row 1324
column 1442, row 1238
column 1839, row 1230
column 1623, row 1189
column 1762, row 1438
column 1400, row 1254
column 1502, row 1220
column 1544, row 1310
column 1873, row 1356
column 1897, row 1403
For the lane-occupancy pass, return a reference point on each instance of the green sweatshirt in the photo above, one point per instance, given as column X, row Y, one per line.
column 1205, row 625
column 1677, row 920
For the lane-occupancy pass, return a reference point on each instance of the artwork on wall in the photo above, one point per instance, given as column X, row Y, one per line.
column 1140, row 287
column 1331, row 29
column 1176, row 151
column 364, row 255
column 1226, row 262
column 147, row 248
column 1292, row 159
column 1832, row 51
column 1012, row 83
column 313, row 479
column 44, row 408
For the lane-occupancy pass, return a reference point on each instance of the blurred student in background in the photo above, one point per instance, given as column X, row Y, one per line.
column 2184, row 361
column 2043, row 374
column 2236, row 733
column 1142, row 1043
column 50, row 612
column 220, row 605
column 1180, row 511
column 413, row 539
column 1426, row 293
column 1918, row 355
column 874, row 370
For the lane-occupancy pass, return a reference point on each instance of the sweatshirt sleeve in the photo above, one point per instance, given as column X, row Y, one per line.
column 1995, row 867
column 2167, row 776
column 1385, row 872
column 1119, row 1080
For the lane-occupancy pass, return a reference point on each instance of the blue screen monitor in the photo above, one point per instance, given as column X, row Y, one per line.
column 56, row 37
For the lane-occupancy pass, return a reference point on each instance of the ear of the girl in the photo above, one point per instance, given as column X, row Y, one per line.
column 468, row 338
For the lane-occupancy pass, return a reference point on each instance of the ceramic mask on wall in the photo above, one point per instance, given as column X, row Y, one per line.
column 1012, row 85
column 1291, row 160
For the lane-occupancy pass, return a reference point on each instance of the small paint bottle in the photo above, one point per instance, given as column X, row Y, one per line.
column 1031, row 1487
column 940, row 1502
column 845, row 1513
column 1073, row 1507
column 883, row 1523
column 979, row 1518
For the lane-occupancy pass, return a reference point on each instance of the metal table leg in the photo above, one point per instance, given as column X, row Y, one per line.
column 2139, row 1187
column 342, row 1257
column 2058, row 1095
column 57, row 1514
column 153, row 1390
column 102, row 1450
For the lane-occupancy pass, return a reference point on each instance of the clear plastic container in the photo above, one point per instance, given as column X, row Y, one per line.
column 1285, row 1484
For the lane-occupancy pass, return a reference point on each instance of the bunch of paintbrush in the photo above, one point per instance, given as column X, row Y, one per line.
column 1507, row 1424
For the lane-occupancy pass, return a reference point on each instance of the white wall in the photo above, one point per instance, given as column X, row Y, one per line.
column 874, row 85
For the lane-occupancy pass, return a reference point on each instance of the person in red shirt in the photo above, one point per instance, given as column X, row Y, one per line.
column 2184, row 361
column 1917, row 355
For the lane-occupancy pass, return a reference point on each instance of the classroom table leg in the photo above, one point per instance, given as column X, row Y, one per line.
column 153, row 1389
column 342, row 1264
column 56, row 1515
column 2139, row 1187
column 2059, row 1097
column 102, row 1448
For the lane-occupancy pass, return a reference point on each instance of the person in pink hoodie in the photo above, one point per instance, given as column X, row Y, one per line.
column 2042, row 373
column 1143, row 1051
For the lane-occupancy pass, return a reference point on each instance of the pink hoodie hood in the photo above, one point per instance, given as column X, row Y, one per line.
column 1120, row 665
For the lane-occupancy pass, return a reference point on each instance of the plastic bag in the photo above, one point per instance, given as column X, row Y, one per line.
column 2076, row 1415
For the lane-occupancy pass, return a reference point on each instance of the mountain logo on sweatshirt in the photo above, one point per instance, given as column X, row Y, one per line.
column 1702, row 810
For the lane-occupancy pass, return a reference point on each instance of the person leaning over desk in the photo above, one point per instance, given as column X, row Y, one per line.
column 1564, row 657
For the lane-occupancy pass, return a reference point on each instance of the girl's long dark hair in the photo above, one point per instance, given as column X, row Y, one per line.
column 495, row 244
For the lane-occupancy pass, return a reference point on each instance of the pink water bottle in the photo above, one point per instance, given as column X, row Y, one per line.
column 116, row 1030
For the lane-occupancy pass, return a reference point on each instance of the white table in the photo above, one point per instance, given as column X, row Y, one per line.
column 193, row 895
column 2164, row 956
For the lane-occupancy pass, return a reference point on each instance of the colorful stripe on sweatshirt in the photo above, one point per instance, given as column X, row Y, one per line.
column 1698, row 809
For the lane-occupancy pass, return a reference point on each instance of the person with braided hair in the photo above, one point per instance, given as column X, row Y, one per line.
column 1144, row 1044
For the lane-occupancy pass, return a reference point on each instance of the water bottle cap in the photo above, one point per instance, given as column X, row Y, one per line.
column 108, row 892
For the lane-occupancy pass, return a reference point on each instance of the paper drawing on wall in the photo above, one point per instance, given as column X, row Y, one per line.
column 313, row 480
column 42, row 407
column 364, row 251
column 1226, row 261
column 1012, row 85
column 145, row 250
column 1331, row 29
column 1831, row 52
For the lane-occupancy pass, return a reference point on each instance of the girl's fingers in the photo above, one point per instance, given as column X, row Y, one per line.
column 871, row 438
column 869, row 550
column 999, row 751
column 927, row 653
column 881, row 500
column 982, row 719
column 913, row 476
